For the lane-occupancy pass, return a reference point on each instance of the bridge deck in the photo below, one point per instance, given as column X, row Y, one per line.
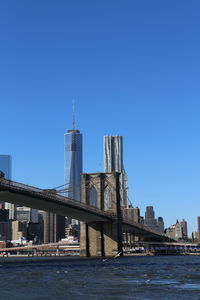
column 46, row 200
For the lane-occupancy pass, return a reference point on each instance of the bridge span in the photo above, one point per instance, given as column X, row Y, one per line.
column 98, row 226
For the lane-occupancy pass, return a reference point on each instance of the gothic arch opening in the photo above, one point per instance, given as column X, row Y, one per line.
column 93, row 197
column 107, row 198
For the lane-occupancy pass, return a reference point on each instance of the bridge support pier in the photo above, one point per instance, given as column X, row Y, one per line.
column 102, row 238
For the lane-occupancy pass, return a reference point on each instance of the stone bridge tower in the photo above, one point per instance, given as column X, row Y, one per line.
column 102, row 190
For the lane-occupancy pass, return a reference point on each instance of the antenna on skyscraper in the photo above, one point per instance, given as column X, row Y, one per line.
column 73, row 117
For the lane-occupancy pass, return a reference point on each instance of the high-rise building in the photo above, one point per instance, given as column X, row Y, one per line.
column 113, row 154
column 113, row 162
column 132, row 214
column 161, row 225
column 184, row 229
column 198, row 221
column 26, row 214
column 6, row 168
column 177, row 231
column 73, row 166
column 54, row 227
column 6, row 165
column 150, row 220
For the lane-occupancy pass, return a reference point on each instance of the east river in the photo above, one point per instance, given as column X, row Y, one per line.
column 160, row 277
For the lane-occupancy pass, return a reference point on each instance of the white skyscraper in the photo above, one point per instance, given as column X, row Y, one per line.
column 113, row 162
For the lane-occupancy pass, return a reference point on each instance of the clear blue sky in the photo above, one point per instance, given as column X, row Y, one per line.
column 133, row 68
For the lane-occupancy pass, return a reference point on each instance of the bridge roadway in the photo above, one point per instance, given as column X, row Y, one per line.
column 47, row 200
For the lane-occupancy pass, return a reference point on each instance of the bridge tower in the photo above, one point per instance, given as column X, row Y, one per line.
column 102, row 190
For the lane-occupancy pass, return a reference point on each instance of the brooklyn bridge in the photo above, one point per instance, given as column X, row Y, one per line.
column 103, row 225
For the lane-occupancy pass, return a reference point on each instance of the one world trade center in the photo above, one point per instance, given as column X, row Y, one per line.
column 73, row 166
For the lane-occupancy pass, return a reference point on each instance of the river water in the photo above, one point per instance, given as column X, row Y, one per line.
column 160, row 277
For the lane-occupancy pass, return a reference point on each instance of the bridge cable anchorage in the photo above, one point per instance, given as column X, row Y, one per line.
column 73, row 188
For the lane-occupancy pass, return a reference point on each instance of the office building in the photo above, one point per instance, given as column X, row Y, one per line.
column 73, row 166
column 150, row 220
column 113, row 162
column 6, row 165
column 178, row 231
column 161, row 225
column 6, row 168
column 184, row 229
column 54, row 227
column 27, row 214
column 198, row 221
column 195, row 237
column 132, row 214
column 19, row 230
column 4, row 213
column 6, row 231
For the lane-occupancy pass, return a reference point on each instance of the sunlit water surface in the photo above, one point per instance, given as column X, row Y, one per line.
column 161, row 277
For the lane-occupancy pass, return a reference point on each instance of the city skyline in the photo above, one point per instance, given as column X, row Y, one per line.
column 133, row 69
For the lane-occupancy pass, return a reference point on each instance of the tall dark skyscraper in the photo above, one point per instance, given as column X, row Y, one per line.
column 150, row 220
column 54, row 227
column 73, row 165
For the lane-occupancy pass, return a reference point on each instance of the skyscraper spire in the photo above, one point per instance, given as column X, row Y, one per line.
column 73, row 115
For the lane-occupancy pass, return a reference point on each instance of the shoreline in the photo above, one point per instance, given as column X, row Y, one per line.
column 26, row 258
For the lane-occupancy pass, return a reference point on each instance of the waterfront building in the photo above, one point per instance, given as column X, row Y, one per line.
column 184, row 229
column 73, row 166
column 27, row 214
column 132, row 214
column 19, row 230
column 12, row 230
column 4, row 213
column 195, row 237
column 177, row 231
column 54, row 227
column 150, row 220
column 6, row 168
column 113, row 162
column 198, row 220
column 161, row 225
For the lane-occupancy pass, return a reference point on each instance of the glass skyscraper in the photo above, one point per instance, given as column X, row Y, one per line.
column 73, row 166
column 6, row 165
column 6, row 168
